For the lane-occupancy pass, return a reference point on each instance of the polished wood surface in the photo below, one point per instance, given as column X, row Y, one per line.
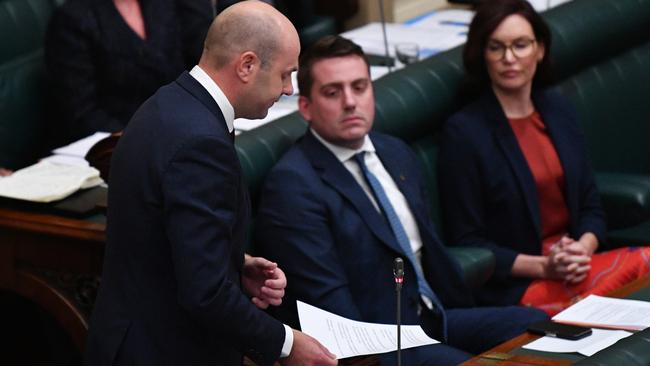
column 502, row 355
column 50, row 260
column 37, row 223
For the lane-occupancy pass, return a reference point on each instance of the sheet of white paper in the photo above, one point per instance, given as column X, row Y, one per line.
column 349, row 338
column 598, row 340
column 66, row 159
column 541, row 5
column 80, row 147
column 46, row 181
column 607, row 312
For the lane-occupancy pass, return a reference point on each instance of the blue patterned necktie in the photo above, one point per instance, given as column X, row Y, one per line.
column 400, row 235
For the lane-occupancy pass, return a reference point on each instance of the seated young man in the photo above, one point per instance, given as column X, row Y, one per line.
column 344, row 202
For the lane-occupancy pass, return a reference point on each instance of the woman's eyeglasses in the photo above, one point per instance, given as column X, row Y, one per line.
column 520, row 48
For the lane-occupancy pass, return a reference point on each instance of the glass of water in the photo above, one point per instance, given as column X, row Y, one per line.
column 407, row 53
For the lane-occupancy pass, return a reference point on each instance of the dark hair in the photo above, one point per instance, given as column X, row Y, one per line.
column 489, row 15
column 324, row 48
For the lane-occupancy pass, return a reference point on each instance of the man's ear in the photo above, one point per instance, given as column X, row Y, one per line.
column 247, row 65
column 303, row 107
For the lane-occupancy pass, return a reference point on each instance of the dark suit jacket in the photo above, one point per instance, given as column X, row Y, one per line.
column 177, row 219
column 100, row 71
column 316, row 221
column 488, row 192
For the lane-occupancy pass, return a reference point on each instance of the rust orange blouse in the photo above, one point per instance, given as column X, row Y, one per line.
column 548, row 173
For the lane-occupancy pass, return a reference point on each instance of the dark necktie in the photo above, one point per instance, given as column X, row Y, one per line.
column 232, row 135
column 400, row 235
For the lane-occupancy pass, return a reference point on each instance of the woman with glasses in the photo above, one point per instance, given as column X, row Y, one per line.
column 514, row 176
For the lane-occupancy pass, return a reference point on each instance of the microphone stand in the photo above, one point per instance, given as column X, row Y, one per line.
column 383, row 29
column 398, row 272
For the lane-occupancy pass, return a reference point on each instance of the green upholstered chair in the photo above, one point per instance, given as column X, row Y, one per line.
column 604, row 70
column 22, row 79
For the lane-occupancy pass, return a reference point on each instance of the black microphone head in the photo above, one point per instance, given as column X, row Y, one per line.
column 398, row 268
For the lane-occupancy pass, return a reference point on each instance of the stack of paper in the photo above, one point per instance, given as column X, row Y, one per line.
column 607, row 312
column 348, row 338
column 47, row 181
column 599, row 312
column 75, row 153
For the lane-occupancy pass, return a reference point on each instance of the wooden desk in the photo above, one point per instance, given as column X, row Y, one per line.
column 502, row 355
column 54, row 262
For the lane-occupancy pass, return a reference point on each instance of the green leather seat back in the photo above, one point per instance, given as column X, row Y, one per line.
column 22, row 80
column 613, row 102
column 588, row 32
column 261, row 148
column 415, row 101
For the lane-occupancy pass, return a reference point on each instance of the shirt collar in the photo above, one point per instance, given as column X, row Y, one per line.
column 217, row 94
column 344, row 154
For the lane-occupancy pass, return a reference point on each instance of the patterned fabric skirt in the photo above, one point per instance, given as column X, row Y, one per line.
column 609, row 271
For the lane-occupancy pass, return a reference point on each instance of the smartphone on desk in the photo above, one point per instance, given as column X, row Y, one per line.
column 559, row 330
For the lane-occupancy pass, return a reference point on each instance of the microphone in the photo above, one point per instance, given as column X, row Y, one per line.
column 398, row 273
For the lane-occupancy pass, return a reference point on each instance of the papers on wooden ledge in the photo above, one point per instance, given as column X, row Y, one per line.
column 607, row 312
column 618, row 315
column 47, row 181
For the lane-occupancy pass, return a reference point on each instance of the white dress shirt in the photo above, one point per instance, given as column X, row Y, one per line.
column 395, row 196
column 229, row 115
column 217, row 94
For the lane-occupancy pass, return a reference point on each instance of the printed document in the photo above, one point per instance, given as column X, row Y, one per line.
column 598, row 340
column 349, row 338
column 607, row 312
column 46, row 181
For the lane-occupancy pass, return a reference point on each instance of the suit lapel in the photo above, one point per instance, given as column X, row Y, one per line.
column 507, row 142
column 333, row 173
column 187, row 82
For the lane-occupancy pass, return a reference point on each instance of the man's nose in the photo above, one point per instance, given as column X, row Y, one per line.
column 349, row 99
column 287, row 89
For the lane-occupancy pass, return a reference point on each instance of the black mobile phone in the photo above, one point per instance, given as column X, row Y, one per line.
column 559, row 330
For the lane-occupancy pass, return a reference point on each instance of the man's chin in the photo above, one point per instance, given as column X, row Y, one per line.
column 258, row 115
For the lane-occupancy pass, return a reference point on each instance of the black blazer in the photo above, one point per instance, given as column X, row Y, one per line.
column 177, row 220
column 100, row 71
column 488, row 192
